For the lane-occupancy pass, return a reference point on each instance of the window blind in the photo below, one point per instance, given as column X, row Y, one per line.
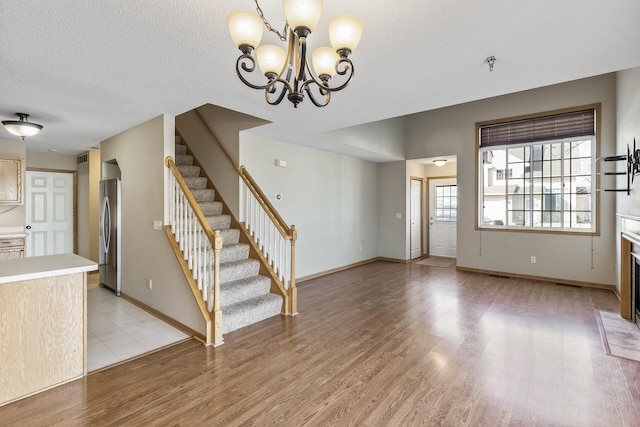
column 543, row 128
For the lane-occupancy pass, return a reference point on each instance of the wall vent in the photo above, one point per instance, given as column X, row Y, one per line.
column 83, row 158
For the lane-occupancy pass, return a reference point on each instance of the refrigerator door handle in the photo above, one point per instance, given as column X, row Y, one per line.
column 105, row 226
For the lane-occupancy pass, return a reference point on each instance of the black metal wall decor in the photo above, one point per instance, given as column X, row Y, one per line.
column 632, row 159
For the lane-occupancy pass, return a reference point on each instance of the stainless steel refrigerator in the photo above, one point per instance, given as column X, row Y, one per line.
column 110, row 232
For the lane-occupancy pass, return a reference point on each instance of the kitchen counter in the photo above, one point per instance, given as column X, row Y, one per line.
column 43, row 302
column 14, row 270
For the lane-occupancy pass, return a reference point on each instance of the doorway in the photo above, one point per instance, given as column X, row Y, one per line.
column 416, row 217
column 443, row 216
column 50, row 212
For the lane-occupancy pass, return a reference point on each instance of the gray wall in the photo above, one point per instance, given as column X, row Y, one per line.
column 452, row 131
column 332, row 200
column 628, row 128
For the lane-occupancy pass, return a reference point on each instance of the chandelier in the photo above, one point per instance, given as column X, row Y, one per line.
column 289, row 72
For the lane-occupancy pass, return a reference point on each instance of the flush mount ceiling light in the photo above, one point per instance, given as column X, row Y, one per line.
column 22, row 127
column 289, row 72
column 440, row 162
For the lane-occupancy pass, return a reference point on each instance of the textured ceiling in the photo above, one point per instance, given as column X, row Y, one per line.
column 89, row 69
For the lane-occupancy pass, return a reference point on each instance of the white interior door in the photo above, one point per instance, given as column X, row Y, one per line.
column 443, row 216
column 416, row 218
column 49, row 209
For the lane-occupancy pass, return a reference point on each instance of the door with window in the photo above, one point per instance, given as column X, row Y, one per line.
column 443, row 217
column 49, row 211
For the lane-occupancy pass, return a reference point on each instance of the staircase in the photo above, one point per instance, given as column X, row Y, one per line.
column 244, row 293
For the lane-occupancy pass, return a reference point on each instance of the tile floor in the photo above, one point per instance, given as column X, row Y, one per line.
column 118, row 330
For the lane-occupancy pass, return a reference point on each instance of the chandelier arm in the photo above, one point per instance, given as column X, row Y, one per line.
column 241, row 63
column 326, row 94
column 300, row 73
column 272, row 89
column 342, row 62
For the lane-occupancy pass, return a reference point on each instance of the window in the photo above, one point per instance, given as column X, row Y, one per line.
column 546, row 171
column 446, row 203
column 501, row 174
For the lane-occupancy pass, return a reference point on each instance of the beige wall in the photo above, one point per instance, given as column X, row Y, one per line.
column 13, row 216
column 452, row 131
column 83, row 215
column 146, row 253
column 94, row 204
column 88, row 206
column 227, row 125
column 40, row 160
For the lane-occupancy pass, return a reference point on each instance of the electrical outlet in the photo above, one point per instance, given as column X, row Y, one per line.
column 150, row 284
column 533, row 260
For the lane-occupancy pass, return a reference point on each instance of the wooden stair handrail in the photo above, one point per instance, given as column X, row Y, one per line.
column 213, row 315
column 284, row 229
column 192, row 201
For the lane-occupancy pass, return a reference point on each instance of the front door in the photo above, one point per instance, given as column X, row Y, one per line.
column 416, row 218
column 49, row 209
column 443, row 215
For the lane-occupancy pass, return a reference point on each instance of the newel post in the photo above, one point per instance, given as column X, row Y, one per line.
column 217, row 312
column 293, row 291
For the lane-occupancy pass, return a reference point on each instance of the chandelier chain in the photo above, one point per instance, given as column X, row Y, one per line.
column 269, row 27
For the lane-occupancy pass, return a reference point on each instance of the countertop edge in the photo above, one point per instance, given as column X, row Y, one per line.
column 20, row 269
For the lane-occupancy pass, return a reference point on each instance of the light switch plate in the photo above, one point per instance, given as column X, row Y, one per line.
column 157, row 224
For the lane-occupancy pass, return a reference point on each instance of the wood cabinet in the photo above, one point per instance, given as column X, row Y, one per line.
column 11, row 247
column 43, row 332
column 11, row 178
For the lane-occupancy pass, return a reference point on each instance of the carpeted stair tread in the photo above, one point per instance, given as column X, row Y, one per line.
column 181, row 149
column 204, row 195
column 237, row 270
column 234, row 252
column 184, row 160
column 239, row 290
column 196, row 182
column 250, row 311
column 189, row 171
column 230, row 236
column 210, row 208
column 219, row 222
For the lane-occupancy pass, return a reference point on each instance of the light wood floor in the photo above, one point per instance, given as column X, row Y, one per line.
column 381, row 344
